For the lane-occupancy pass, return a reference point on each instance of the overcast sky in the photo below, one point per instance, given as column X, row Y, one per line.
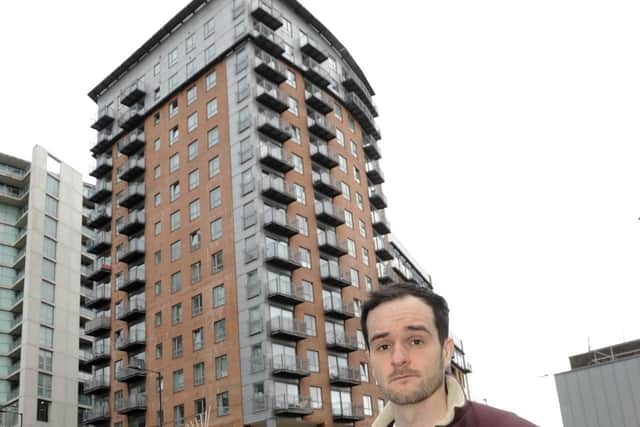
column 510, row 148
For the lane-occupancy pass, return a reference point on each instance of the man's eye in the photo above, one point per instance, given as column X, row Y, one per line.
column 382, row 347
column 417, row 341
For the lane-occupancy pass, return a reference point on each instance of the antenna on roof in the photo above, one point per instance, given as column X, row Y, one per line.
column 588, row 344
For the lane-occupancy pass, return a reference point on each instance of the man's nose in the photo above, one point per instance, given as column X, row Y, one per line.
column 399, row 355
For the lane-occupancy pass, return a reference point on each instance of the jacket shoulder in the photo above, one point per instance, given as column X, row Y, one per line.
column 488, row 416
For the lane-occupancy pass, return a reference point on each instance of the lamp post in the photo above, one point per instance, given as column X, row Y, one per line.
column 19, row 414
column 159, row 383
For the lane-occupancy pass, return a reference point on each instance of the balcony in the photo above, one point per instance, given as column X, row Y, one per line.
column 103, row 142
column 371, row 148
column 291, row 405
column 132, row 252
column 317, row 99
column 101, row 243
column 267, row 66
column 334, row 307
column 351, row 83
column 386, row 275
column 134, row 403
column 273, row 126
column 374, row 173
column 278, row 222
column 275, row 188
column 132, row 311
column 13, row 373
column 380, row 223
column 105, row 118
column 330, row 274
column 344, row 377
column 100, row 297
column 19, row 260
column 15, row 327
column 274, row 156
column 341, row 342
column 96, row 415
column 289, row 366
column 132, row 118
column 134, row 280
column 99, row 355
column 131, row 196
column 285, row 292
column 324, row 183
column 377, row 198
column 322, row 154
column 132, row 223
column 133, row 94
column 383, row 249
column 319, row 126
column 100, row 216
column 264, row 12
column 134, row 341
column 328, row 213
column 288, row 329
column 132, row 169
column 270, row 96
column 361, row 113
column 134, row 141
column 347, row 413
column 97, row 384
column 103, row 165
column 102, row 191
column 401, row 270
column 314, row 72
column 13, row 195
column 267, row 39
column 98, row 326
column 131, row 373
column 281, row 256
column 329, row 243
column 311, row 48
column 100, row 269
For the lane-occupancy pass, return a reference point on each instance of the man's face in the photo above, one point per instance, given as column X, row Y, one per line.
column 405, row 352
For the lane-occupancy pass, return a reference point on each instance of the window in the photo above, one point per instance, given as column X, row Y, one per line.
column 249, row 215
column 210, row 81
column 156, row 172
column 156, row 69
column 310, row 325
column 53, row 186
column 213, row 137
column 291, row 78
column 210, row 52
column 356, row 175
column 174, row 191
column 359, row 201
column 314, row 360
column 157, row 287
column 45, row 360
column 48, row 270
column 194, row 210
column 44, row 385
column 218, row 296
column 198, row 373
column 175, row 250
column 192, row 121
column 222, row 401
column 215, row 198
column 159, row 351
column 50, row 227
column 305, row 257
column 158, row 319
column 49, row 248
column 196, row 274
column 176, row 282
column 217, row 262
column 253, row 284
column 221, row 366
column 348, row 218
column 337, row 110
column 173, row 57
column 352, row 124
column 367, row 404
column 303, row 225
column 300, row 194
column 364, row 372
column 178, row 380
column 174, row 135
column 190, row 43
column 296, row 135
column 156, row 144
column 178, row 416
column 192, row 94
column 297, row 163
column 197, row 336
column 246, row 182
column 351, row 247
column 365, row 256
column 174, row 220
column 216, row 229
column 200, row 407
column 50, row 206
column 156, row 200
column 173, row 108
column 173, row 81
column 340, row 137
column 47, row 292
column 43, row 410
column 219, row 330
column 286, row 28
column 214, row 166
column 176, row 313
column 212, row 108
column 363, row 228
column 346, row 192
column 342, row 162
column 307, row 291
column 46, row 313
column 255, row 320
column 176, row 343
column 380, row 405
column 174, row 162
column 156, row 117
column 194, row 179
column 315, row 395
column 209, row 28
column 354, row 149
column 192, row 150
column 355, row 278
column 194, row 239
column 360, row 338
column 293, row 106
column 368, row 283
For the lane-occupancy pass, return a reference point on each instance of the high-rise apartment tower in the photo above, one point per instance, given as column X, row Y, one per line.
column 241, row 220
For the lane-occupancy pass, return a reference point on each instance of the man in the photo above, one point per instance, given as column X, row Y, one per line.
column 406, row 329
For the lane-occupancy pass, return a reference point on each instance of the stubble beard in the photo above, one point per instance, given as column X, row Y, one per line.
column 425, row 388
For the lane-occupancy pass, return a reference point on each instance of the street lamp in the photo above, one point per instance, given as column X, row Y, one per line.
column 19, row 414
column 159, row 382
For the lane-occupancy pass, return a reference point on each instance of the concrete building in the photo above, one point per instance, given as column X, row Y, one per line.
column 238, row 199
column 602, row 388
column 41, row 301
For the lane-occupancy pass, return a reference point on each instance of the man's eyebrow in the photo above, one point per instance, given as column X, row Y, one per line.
column 378, row 336
column 418, row 328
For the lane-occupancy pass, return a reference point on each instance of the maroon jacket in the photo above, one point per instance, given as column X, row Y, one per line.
column 474, row 414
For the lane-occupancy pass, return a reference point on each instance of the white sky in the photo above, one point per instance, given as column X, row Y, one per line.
column 510, row 148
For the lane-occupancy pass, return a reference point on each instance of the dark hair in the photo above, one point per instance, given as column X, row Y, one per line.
column 393, row 292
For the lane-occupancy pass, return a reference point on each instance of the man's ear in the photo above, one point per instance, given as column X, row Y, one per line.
column 447, row 352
